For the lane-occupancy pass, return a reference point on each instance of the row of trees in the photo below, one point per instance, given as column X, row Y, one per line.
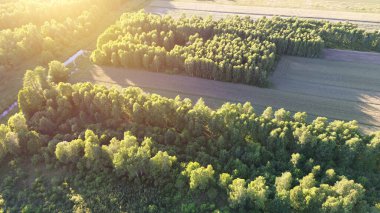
column 232, row 49
column 191, row 157
column 347, row 36
column 289, row 37
column 197, row 46
column 249, row 60
column 224, row 57
column 294, row 36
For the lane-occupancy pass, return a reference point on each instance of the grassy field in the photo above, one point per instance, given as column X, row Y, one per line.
column 370, row 6
column 11, row 82
column 365, row 20
column 325, row 87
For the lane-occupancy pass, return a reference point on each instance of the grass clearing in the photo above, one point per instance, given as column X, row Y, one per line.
column 365, row 20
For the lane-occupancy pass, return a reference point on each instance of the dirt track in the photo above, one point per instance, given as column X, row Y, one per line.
column 321, row 87
column 175, row 8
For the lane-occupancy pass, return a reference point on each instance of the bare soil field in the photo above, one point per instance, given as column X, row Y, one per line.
column 328, row 87
column 352, row 56
column 200, row 8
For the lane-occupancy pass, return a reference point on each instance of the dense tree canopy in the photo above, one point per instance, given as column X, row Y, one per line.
column 233, row 49
column 84, row 147
column 126, row 150
column 33, row 27
column 17, row 13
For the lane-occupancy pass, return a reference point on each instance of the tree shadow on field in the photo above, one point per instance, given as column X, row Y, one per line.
column 347, row 87
column 342, row 85
column 321, row 87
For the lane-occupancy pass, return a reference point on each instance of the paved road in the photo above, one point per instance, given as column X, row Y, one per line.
column 299, row 84
column 175, row 8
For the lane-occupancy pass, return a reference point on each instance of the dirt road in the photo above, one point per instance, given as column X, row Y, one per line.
column 175, row 8
column 327, row 87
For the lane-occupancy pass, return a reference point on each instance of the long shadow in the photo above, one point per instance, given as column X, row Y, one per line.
column 343, row 85
column 333, row 102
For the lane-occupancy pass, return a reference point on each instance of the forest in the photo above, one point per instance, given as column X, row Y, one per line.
column 30, row 28
column 87, row 148
column 232, row 49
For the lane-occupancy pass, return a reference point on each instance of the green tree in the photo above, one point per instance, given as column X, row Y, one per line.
column 200, row 177
column 268, row 113
column 257, row 192
column 238, row 193
column 131, row 159
column 297, row 199
column 284, row 182
column 225, row 180
column 3, row 132
column 161, row 164
column 58, row 72
column 308, row 181
column 350, row 194
column 17, row 123
column 70, row 152
column 92, row 149
column 282, row 115
column 300, row 117
column 156, row 63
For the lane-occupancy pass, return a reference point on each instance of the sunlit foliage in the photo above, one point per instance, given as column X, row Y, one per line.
column 232, row 49
column 125, row 150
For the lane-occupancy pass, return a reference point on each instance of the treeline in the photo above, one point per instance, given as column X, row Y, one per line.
column 233, row 49
column 154, row 154
column 348, row 36
column 229, row 49
column 51, row 36
column 17, row 13
column 341, row 35
column 29, row 40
